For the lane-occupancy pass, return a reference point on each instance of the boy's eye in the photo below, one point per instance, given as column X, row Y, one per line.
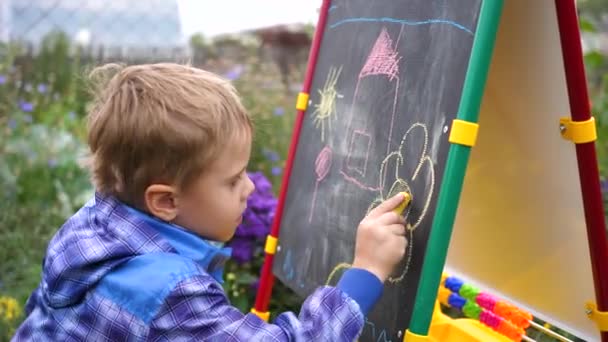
column 236, row 180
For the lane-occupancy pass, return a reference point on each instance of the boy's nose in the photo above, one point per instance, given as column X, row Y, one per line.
column 251, row 186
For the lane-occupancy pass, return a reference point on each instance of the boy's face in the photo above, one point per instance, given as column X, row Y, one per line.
column 213, row 206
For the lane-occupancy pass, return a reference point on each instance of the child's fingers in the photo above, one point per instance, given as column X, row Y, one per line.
column 389, row 218
column 387, row 205
column 397, row 229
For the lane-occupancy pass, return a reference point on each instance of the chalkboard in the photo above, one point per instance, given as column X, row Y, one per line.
column 386, row 87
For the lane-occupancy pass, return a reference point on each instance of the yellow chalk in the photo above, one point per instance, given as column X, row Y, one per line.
column 406, row 201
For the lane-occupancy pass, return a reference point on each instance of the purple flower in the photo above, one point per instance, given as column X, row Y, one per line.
column 235, row 72
column 2, row 79
column 271, row 155
column 255, row 286
column 26, row 106
column 276, row 171
column 604, row 186
column 42, row 88
column 262, row 184
column 52, row 163
column 254, row 225
column 257, row 219
column 278, row 111
column 242, row 249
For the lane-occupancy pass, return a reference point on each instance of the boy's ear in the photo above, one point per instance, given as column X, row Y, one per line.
column 161, row 201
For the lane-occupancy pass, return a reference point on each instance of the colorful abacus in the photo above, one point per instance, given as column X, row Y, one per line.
column 497, row 314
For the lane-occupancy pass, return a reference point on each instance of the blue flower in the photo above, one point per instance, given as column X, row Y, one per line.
column 278, row 111
column 276, row 171
column 12, row 123
column 235, row 72
column 42, row 88
column 255, row 285
column 2, row 79
column 257, row 219
column 262, row 185
column 604, row 186
column 271, row 155
column 26, row 106
column 52, row 163
column 242, row 250
column 27, row 118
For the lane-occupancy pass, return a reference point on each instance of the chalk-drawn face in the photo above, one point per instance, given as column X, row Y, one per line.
column 213, row 207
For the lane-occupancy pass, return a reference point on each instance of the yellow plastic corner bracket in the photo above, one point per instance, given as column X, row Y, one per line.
column 271, row 244
column 599, row 317
column 411, row 337
column 302, row 102
column 263, row 315
column 579, row 132
column 463, row 133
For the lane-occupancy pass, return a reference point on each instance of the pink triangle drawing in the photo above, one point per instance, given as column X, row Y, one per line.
column 383, row 59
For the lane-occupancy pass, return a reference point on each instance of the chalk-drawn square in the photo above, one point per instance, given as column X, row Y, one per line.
column 358, row 152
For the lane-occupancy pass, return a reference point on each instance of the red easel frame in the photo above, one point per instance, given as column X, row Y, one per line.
column 267, row 278
column 586, row 156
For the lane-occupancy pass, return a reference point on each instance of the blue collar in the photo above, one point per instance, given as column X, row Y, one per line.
column 211, row 257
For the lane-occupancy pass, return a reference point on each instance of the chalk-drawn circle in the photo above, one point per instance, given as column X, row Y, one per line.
column 323, row 163
column 407, row 260
column 335, row 272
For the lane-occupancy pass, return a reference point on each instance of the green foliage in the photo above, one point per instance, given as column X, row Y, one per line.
column 596, row 64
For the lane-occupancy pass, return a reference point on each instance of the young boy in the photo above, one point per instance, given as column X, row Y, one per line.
column 169, row 147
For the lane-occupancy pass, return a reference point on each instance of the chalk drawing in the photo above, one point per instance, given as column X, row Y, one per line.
column 383, row 60
column 362, row 138
column 402, row 22
column 322, row 166
column 288, row 268
column 325, row 110
column 381, row 337
column 358, row 183
column 398, row 184
column 340, row 266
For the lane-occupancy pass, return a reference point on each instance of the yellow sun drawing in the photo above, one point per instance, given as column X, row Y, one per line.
column 325, row 110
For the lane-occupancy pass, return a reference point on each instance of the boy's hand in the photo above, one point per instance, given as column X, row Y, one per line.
column 381, row 241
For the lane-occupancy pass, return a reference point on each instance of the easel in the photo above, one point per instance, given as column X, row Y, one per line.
column 532, row 117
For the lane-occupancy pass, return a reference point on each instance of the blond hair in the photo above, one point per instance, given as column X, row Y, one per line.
column 158, row 123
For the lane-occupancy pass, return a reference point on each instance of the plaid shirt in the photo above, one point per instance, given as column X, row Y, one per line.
column 112, row 273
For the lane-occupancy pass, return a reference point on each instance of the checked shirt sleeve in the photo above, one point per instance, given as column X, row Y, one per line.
column 198, row 309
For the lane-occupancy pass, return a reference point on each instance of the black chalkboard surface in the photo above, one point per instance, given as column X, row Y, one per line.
column 385, row 90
